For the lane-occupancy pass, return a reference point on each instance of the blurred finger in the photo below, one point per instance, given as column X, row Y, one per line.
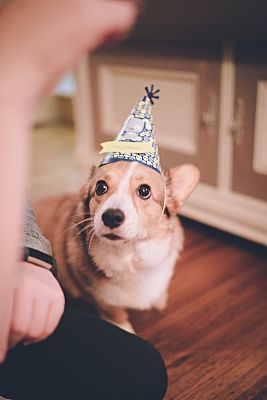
column 115, row 23
column 38, row 321
column 5, row 329
column 3, row 351
column 21, row 318
column 54, row 316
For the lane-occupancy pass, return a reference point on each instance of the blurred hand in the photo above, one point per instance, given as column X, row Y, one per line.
column 37, row 306
column 40, row 39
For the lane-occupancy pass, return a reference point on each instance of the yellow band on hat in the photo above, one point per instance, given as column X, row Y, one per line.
column 127, row 147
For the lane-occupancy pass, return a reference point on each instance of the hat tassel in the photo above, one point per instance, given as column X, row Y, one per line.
column 151, row 94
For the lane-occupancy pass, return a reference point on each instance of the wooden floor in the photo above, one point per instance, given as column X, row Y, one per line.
column 213, row 334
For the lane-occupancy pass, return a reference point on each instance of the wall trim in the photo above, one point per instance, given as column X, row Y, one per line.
column 260, row 135
column 84, row 150
column 226, row 116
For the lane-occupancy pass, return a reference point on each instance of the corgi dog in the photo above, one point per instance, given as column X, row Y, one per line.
column 117, row 242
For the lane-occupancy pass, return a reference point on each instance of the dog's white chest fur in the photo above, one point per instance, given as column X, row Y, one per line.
column 139, row 274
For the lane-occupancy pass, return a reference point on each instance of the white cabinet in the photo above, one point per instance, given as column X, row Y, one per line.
column 211, row 112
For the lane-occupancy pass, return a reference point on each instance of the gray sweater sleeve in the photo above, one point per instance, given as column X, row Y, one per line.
column 32, row 234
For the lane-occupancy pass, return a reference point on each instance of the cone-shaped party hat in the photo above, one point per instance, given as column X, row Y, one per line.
column 136, row 140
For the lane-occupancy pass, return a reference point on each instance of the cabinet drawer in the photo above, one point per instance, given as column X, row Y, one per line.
column 250, row 132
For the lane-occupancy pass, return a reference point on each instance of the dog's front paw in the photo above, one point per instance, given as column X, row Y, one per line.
column 126, row 326
column 161, row 303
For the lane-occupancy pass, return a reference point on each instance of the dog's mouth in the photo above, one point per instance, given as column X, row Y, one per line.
column 112, row 236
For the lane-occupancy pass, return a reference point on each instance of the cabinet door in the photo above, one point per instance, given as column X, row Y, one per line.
column 185, row 117
column 250, row 127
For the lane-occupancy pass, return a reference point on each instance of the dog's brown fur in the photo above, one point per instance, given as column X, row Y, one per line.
column 56, row 216
column 60, row 220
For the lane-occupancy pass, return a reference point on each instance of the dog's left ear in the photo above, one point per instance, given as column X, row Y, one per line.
column 181, row 181
column 85, row 188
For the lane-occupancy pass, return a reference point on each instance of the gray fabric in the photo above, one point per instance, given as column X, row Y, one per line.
column 32, row 235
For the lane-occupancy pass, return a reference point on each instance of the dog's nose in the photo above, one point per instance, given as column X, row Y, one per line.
column 113, row 218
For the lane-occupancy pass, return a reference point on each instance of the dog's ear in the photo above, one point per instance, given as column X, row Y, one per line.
column 85, row 188
column 181, row 181
column 92, row 171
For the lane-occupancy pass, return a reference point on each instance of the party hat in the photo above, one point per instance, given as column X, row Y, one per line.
column 136, row 140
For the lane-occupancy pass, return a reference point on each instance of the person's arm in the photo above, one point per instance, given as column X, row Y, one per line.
column 39, row 41
column 32, row 235
column 38, row 301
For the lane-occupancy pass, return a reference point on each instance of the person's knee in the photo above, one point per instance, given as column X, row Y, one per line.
column 149, row 374
column 109, row 363
column 156, row 374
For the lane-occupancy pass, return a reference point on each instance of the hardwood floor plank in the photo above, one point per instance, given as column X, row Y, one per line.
column 213, row 334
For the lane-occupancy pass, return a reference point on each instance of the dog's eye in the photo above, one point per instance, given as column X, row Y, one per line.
column 101, row 188
column 144, row 191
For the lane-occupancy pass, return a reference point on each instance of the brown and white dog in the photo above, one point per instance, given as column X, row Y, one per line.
column 118, row 241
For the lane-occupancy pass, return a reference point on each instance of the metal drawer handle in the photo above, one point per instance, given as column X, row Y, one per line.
column 237, row 127
column 209, row 117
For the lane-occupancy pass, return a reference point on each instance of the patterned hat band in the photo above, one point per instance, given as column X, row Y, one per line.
column 136, row 140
